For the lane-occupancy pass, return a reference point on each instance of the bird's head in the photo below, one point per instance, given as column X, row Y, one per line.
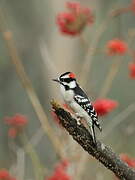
column 68, row 80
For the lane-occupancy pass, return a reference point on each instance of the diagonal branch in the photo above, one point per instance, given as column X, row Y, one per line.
column 101, row 152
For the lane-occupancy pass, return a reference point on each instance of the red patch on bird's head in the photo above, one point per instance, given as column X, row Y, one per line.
column 72, row 75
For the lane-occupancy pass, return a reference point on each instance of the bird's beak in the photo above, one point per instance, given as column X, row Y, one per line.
column 57, row 80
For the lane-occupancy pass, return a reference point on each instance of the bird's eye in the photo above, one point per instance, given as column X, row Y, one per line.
column 62, row 80
column 68, row 80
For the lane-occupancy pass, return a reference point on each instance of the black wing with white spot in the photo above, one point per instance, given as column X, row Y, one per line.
column 82, row 99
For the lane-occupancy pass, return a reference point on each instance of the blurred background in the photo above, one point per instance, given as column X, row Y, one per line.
column 46, row 53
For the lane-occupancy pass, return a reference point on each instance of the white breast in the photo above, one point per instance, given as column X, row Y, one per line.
column 67, row 95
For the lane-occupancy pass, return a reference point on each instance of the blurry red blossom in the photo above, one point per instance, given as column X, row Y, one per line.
column 12, row 132
column 116, row 47
column 104, row 106
column 17, row 120
column 73, row 6
column 79, row 10
column 128, row 160
column 60, row 171
column 75, row 19
column 132, row 70
column 59, row 174
column 63, row 164
column 5, row 175
column 133, row 6
column 16, row 124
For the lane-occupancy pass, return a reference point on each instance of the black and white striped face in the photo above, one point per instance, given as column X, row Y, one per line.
column 67, row 80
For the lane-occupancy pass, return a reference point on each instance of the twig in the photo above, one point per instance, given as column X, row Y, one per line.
column 120, row 11
column 90, row 53
column 18, row 168
column 48, row 62
column 15, row 59
column 83, row 41
column 38, row 167
column 20, row 163
column 101, row 152
column 110, row 77
column 36, row 138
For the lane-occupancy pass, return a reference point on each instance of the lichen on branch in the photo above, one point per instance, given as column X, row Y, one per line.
column 101, row 152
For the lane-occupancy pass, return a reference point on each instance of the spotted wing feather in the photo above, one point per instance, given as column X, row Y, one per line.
column 82, row 99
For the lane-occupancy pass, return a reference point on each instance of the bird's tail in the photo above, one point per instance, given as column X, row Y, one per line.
column 92, row 130
column 93, row 134
column 99, row 127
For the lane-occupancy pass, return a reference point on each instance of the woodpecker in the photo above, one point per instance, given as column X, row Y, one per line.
column 77, row 99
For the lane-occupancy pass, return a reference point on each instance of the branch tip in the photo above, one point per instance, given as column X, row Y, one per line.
column 55, row 104
column 101, row 152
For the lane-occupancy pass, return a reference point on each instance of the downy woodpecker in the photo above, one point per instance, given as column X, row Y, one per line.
column 76, row 98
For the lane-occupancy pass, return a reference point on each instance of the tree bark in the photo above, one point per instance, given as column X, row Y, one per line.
column 101, row 152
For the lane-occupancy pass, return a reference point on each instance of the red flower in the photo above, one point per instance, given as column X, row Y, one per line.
column 4, row 174
column 60, row 172
column 132, row 70
column 59, row 175
column 104, row 106
column 12, row 132
column 73, row 22
column 76, row 8
column 63, row 164
column 116, row 46
column 17, row 120
column 16, row 124
column 133, row 6
column 128, row 160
